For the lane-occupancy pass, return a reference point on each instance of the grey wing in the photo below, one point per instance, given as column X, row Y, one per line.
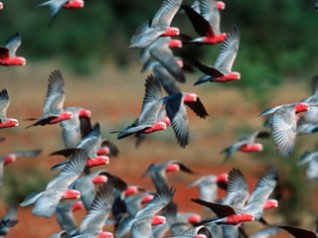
column 98, row 211
column 160, row 201
column 54, row 5
column 166, row 79
column 237, row 190
column 71, row 133
column 164, row 55
column 4, row 104
column 13, row 44
column 86, row 188
column 70, row 172
column 210, row 12
column 55, row 97
column 263, row 189
column 284, row 130
column 46, row 205
column 64, row 215
column 228, row 51
column 179, row 120
column 166, row 12
column 151, row 103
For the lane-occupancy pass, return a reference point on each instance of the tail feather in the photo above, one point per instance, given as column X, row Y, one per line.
column 203, row 79
column 65, row 152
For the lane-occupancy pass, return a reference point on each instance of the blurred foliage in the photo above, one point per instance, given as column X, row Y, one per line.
column 277, row 36
column 17, row 185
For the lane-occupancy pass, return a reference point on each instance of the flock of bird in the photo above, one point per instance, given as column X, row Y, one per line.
column 132, row 210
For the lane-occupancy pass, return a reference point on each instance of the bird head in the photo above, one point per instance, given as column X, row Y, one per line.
column 99, row 179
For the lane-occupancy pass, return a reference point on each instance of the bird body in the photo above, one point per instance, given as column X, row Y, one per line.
column 149, row 31
column 6, row 122
column 8, row 52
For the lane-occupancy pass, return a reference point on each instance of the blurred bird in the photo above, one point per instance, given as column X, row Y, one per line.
column 99, row 211
column 311, row 116
column 316, row 5
column 8, row 52
column 4, row 104
column 148, row 119
column 56, row 5
column 222, row 70
column 11, row 157
column 208, row 186
column 8, row 221
column 65, row 214
column 72, row 129
column 220, row 5
column 234, row 210
column 90, row 144
column 284, row 125
column 310, row 158
column 246, row 144
column 167, row 81
column 52, row 110
column 141, row 226
column 160, row 50
column 47, row 201
column 86, row 185
column 206, row 22
column 157, row 172
column 178, row 115
column 149, row 31
column 1, row 5
column 174, row 104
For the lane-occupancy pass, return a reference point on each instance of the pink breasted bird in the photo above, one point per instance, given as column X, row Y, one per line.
column 284, row 125
column 220, row 5
column 252, row 207
column 141, row 226
column 160, row 50
column 75, row 128
column 92, row 224
column 147, row 121
column 222, row 70
column 177, row 113
column 56, row 5
column 246, row 144
column 52, row 110
column 149, row 31
column 8, row 52
column 206, row 22
column 208, row 186
column 158, row 172
column 46, row 202
column 6, row 122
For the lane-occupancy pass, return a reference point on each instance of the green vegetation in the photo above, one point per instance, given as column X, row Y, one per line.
column 277, row 37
